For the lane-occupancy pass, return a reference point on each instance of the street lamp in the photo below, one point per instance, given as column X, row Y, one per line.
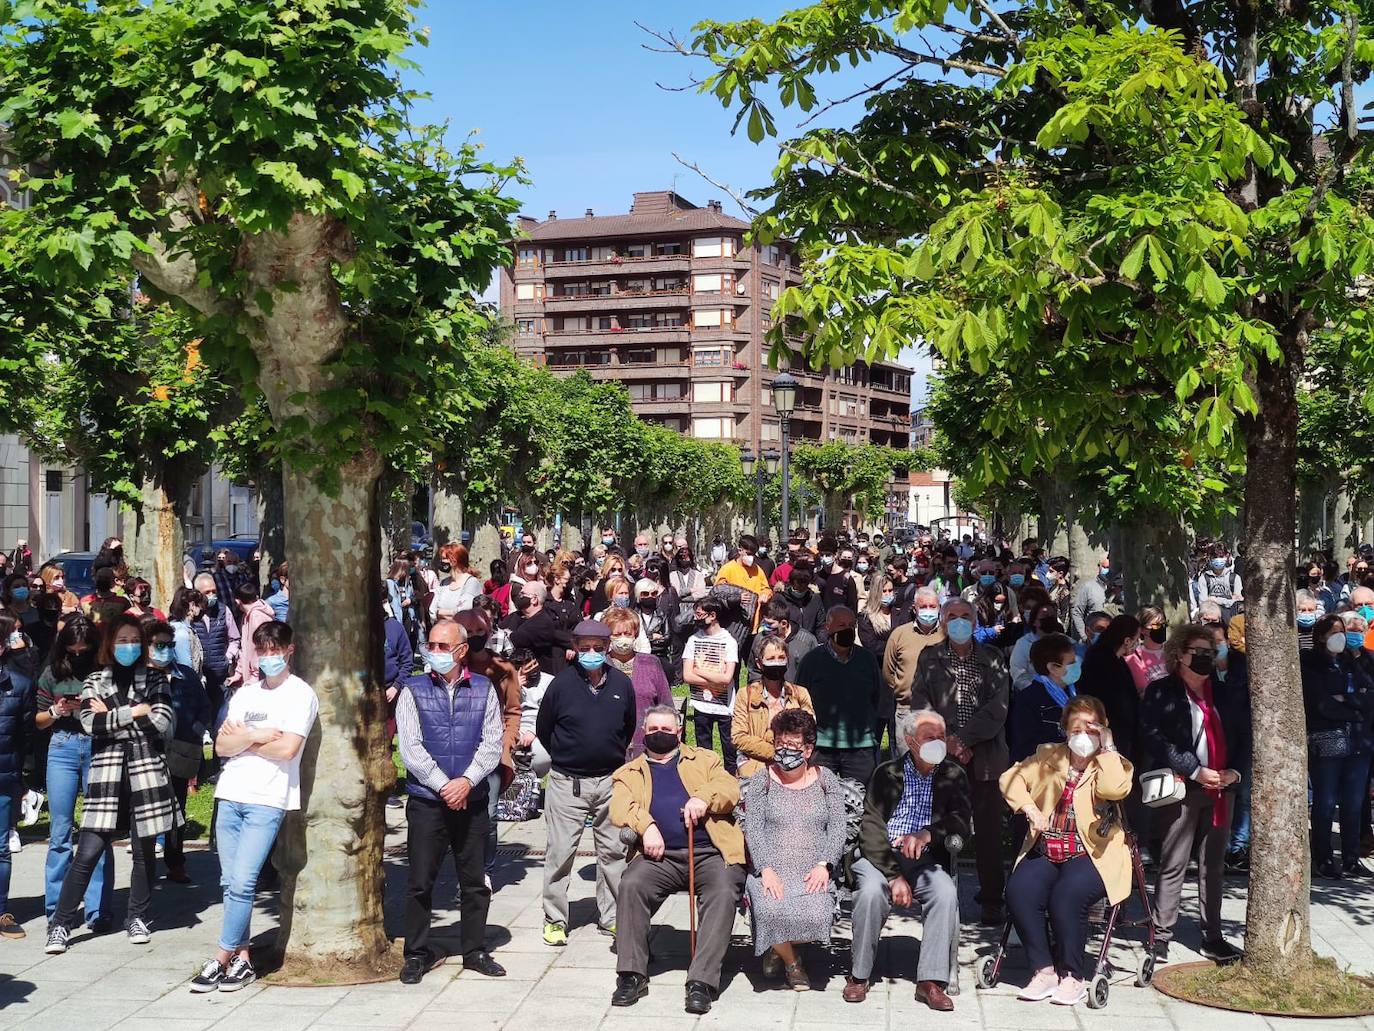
column 785, row 402
column 759, row 474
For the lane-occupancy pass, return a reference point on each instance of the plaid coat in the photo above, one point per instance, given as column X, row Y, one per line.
column 129, row 751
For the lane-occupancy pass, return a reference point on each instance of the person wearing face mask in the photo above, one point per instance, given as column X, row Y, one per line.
column 710, row 668
column 16, row 731
column 1090, row 597
column 1147, row 662
column 808, row 609
column 1107, row 677
column 1338, row 700
column 253, row 613
column 1041, row 619
column 451, row 737
column 1309, row 610
column 745, row 573
column 69, row 761
column 669, row 792
column 848, row 694
column 184, row 750
column 185, row 609
column 586, row 722
column 1199, row 727
column 458, row 586
column 777, row 622
column 562, row 599
column 794, row 826
column 540, row 632
column 912, row 807
column 773, row 691
column 1219, row 581
column 228, row 573
column 841, row 585
column 1034, row 719
column 55, row 582
column 126, row 709
column 644, row 670
column 967, row 683
column 218, row 634
column 903, row 651
column 1075, row 851
column 876, row 620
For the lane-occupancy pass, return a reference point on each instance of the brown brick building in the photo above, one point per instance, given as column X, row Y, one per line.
column 669, row 300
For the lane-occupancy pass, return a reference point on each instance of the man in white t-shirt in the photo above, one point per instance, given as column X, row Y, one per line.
column 260, row 782
column 710, row 667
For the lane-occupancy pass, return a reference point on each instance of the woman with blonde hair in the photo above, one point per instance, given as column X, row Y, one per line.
column 644, row 670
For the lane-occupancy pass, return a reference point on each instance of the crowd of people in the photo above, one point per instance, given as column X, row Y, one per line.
column 858, row 709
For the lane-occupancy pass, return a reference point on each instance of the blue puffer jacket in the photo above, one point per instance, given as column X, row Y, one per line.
column 16, row 716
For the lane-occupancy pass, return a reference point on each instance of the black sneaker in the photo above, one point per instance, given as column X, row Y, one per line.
column 629, row 989
column 1327, row 870
column 1220, row 952
column 1238, row 861
column 209, row 978
column 239, row 975
column 1356, row 869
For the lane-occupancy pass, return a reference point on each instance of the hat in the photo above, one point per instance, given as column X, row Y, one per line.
column 592, row 628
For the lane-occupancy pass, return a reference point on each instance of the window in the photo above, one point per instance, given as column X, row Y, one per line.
column 712, row 393
column 576, row 254
column 711, row 317
column 525, row 327
column 605, row 322
column 602, row 289
column 603, row 253
column 656, row 391
column 668, row 248
column 770, row 431
column 708, row 247
column 713, row 428
column 528, row 256
column 524, row 291
column 654, row 321
column 712, row 357
column 637, row 250
column 770, row 290
column 641, row 356
column 707, row 284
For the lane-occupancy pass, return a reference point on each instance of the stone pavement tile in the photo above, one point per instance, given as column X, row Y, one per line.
column 1307, row 1024
column 633, row 1020
column 830, row 1007
column 364, row 1008
column 525, row 966
column 1186, row 1017
column 569, row 982
column 280, row 995
column 256, row 1016
column 540, row 1013
column 484, row 994
column 215, row 1005
column 81, row 1011
column 140, row 985
column 1007, row 1011
column 471, row 1020
column 141, row 1023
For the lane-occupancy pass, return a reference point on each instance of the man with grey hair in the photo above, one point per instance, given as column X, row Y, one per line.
column 904, row 648
column 671, row 791
column 914, row 806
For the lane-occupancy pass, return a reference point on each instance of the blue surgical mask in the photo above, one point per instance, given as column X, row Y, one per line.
column 621, row 601
column 275, row 665
column 1367, row 611
column 1094, row 637
column 1018, row 579
column 986, row 579
column 1307, row 620
column 928, row 616
column 1354, row 640
column 888, row 599
column 591, row 661
column 440, row 662
column 1218, row 564
column 20, row 594
column 959, row 630
column 768, row 628
column 127, row 654
column 1072, row 672
column 161, row 657
column 16, row 640
column 1223, row 650
column 1104, row 574
column 608, row 541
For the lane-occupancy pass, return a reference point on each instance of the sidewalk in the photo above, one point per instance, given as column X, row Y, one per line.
column 105, row 983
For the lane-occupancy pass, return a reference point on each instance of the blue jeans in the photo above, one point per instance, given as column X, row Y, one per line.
column 1338, row 782
column 9, row 805
column 1240, row 821
column 244, row 836
column 69, row 764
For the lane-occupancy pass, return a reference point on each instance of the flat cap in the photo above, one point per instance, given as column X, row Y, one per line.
column 592, row 628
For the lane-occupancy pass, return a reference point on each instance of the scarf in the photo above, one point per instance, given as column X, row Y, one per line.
column 1216, row 747
column 1061, row 695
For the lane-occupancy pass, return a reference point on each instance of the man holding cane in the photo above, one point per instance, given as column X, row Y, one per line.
column 669, row 793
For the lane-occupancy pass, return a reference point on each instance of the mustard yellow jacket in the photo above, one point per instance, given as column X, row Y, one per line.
column 749, row 727
column 1039, row 780
column 703, row 775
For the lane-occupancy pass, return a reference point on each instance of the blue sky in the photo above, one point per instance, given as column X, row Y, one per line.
column 570, row 88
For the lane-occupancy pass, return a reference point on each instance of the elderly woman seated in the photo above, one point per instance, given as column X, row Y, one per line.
column 1075, row 850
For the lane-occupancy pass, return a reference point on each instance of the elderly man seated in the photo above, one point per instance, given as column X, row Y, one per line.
column 669, row 792
column 914, row 806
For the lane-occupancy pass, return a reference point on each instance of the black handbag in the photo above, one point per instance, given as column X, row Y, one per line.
column 1331, row 744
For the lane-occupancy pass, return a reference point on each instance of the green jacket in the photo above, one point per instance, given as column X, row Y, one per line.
column 951, row 812
column 845, row 696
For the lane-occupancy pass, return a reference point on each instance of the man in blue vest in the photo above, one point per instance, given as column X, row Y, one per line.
column 448, row 722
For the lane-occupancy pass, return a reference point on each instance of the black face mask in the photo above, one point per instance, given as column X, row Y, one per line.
column 476, row 642
column 661, row 742
column 773, row 670
column 700, row 624
column 445, row 567
column 1157, row 634
column 844, row 638
column 1202, row 665
column 648, row 604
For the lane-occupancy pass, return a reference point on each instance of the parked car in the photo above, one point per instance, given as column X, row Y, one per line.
column 76, row 570
column 202, row 556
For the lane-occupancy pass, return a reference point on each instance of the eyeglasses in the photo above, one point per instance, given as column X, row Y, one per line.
column 599, row 646
column 1202, row 651
column 442, row 647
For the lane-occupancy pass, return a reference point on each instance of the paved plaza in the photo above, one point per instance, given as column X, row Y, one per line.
column 105, row 983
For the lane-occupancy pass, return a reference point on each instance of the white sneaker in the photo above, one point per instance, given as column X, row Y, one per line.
column 16, row 846
column 30, row 807
column 1041, row 987
column 1071, row 992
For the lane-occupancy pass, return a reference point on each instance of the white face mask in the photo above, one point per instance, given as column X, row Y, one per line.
column 932, row 752
column 621, row 643
column 746, row 559
column 1082, row 745
column 1335, row 644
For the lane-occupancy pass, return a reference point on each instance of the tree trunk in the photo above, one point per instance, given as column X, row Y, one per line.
column 1278, row 934
column 1083, row 553
column 448, row 513
column 330, row 853
column 1313, row 501
column 159, row 543
column 1344, row 528
column 271, row 522
column 1053, row 526
column 571, row 536
column 397, row 492
column 486, row 543
column 1150, row 555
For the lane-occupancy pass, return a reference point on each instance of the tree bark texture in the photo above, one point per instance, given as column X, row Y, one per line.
column 159, row 543
column 1345, row 530
column 448, row 513
column 398, row 491
column 1278, row 934
column 330, row 853
column 271, row 522
column 1312, row 504
column 1150, row 555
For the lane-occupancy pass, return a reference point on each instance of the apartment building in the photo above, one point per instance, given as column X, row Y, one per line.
column 670, row 300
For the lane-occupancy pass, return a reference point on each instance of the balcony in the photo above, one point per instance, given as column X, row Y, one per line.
column 616, row 266
column 621, row 300
column 640, row 337
column 660, row 406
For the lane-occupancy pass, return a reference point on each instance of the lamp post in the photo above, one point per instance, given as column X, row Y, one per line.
column 760, row 475
column 785, row 402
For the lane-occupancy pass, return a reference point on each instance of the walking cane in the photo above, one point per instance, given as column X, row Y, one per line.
column 692, row 884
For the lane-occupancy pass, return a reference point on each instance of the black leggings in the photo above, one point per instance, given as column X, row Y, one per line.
column 89, row 847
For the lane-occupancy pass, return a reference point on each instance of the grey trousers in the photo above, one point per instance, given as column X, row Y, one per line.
column 1188, row 830
column 934, row 894
column 565, row 817
column 645, row 886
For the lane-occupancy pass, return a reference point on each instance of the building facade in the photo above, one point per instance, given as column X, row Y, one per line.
column 671, row 300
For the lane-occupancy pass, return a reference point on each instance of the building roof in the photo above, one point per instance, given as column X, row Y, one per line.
column 652, row 213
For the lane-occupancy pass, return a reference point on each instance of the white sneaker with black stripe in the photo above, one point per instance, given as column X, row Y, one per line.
column 209, row 978
column 240, row 975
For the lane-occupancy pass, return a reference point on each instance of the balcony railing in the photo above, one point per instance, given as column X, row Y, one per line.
column 615, row 259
